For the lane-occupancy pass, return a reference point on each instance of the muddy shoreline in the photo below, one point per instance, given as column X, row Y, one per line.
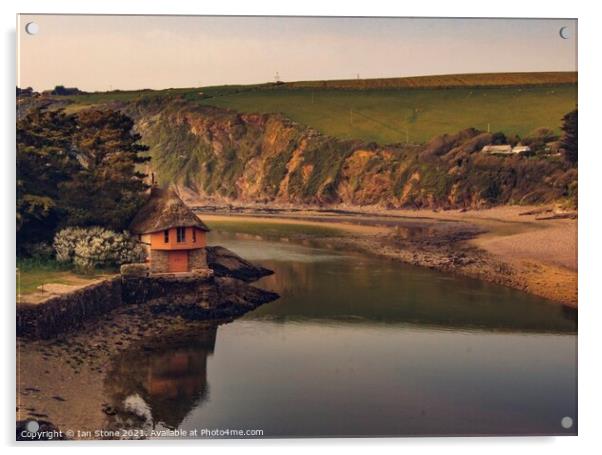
column 68, row 381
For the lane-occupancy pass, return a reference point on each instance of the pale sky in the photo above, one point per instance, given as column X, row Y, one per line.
column 135, row 52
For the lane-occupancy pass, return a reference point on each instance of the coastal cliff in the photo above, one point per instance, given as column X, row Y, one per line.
column 228, row 157
column 221, row 156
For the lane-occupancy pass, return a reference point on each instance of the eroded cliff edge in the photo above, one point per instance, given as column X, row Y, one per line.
column 229, row 157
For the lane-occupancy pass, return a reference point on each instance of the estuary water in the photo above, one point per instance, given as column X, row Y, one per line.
column 363, row 346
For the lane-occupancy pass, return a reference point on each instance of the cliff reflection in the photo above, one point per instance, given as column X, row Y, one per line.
column 158, row 381
column 366, row 291
column 337, row 286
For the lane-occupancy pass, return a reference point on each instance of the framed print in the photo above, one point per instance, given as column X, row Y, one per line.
column 282, row 227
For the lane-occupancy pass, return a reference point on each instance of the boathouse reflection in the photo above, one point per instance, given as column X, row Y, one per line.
column 158, row 381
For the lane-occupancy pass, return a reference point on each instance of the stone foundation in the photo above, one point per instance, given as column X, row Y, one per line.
column 192, row 289
column 197, row 259
column 159, row 261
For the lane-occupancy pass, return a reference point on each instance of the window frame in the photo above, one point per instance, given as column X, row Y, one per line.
column 180, row 235
column 166, row 236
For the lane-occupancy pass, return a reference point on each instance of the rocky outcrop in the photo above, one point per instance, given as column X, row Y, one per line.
column 193, row 290
column 226, row 263
column 224, row 298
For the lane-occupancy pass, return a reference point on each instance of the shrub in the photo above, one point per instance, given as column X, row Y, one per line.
column 65, row 241
column 39, row 250
column 93, row 247
column 135, row 270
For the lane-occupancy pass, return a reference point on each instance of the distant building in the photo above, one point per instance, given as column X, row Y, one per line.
column 506, row 149
column 521, row 149
column 175, row 238
column 497, row 149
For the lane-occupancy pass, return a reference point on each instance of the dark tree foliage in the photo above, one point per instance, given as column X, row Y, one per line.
column 66, row 91
column 45, row 159
column 498, row 139
column 109, row 188
column 569, row 138
column 78, row 169
column 25, row 91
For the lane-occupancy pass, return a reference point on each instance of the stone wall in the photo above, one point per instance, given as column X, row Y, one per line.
column 197, row 259
column 159, row 261
column 63, row 312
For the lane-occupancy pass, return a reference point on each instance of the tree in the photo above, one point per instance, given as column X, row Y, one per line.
column 109, row 188
column 76, row 170
column 498, row 139
column 569, row 138
column 45, row 160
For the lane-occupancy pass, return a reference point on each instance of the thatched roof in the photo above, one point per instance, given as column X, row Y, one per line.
column 164, row 210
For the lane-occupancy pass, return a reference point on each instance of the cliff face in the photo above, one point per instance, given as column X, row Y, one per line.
column 225, row 157
column 228, row 157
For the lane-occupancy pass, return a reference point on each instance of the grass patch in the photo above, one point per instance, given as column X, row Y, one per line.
column 389, row 111
column 32, row 273
column 389, row 116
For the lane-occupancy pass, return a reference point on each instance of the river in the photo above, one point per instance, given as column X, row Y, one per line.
column 363, row 346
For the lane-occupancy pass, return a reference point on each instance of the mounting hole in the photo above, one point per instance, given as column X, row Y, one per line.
column 566, row 422
column 564, row 32
column 32, row 28
column 32, row 426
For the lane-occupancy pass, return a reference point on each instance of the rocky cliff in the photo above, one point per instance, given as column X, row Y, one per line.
column 224, row 156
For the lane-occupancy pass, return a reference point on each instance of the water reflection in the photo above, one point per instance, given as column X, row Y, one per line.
column 337, row 286
column 157, row 381
column 358, row 346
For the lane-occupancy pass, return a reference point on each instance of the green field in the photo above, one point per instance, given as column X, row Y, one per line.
column 413, row 115
column 447, row 81
column 392, row 110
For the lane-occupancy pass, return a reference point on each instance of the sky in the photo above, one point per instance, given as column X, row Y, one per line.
column 99, row 53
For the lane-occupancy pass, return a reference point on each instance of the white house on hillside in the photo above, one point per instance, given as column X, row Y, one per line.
column 506, row 149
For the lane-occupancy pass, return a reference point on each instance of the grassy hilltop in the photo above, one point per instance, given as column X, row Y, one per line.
column 390, row 116
column 395, row 110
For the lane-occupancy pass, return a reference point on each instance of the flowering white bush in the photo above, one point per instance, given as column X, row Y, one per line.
column 65, row 241
column 96, row 246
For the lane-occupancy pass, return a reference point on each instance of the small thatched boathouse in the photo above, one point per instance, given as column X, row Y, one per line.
column 174, row 236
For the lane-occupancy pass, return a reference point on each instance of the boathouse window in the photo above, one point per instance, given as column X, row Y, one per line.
column 193, row 235
column 166, row 236
column 181, row 234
